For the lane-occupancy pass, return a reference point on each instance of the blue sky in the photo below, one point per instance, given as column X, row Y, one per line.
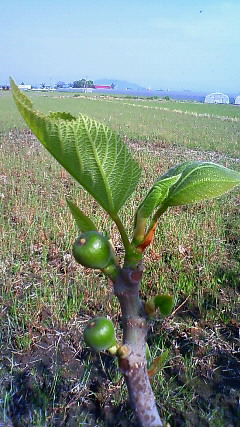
column 164, row 44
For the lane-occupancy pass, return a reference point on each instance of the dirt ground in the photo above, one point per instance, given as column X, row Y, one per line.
column 52, row 374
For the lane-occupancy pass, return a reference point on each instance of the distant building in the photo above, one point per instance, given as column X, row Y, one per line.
column 25, row 87
column 103, row 87
column 78, row 89
column 237, row 100
column 217, row 98
column 44, row 89
column 86, row 90
column 62, row 85
column 82, row 89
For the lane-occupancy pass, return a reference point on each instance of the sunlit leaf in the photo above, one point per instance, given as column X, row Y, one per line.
column 164, row 303
column 90, row 151
column 61, row 115
column 199, row 181
column 156, row 195
column 83, row 222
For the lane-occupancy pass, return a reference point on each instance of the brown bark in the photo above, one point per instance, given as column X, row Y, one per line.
column 132, row 357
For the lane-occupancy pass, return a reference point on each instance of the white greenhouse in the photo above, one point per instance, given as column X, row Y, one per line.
column 237, row 100
column 217, row 98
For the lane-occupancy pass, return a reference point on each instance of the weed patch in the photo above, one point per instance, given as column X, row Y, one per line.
column 46, row 376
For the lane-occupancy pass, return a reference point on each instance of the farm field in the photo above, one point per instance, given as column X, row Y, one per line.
column 47, row 375
column 193, row 125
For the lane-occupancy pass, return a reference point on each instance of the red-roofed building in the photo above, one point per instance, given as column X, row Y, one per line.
column 103, row 87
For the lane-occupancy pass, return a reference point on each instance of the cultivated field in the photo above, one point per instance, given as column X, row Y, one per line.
column 47, row 376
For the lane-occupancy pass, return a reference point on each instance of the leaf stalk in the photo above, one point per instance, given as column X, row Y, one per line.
column 121, row 230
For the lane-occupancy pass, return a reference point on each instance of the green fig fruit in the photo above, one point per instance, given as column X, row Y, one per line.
column 92, row 249
column 99, row 334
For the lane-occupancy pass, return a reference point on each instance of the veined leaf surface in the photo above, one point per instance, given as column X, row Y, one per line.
column 199, row 181
column 90, row 151
column 156, row 195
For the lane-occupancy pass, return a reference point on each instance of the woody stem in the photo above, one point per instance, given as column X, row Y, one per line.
column 133, row 362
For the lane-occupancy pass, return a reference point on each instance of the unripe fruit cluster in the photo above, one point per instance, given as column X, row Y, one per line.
column 92, row 249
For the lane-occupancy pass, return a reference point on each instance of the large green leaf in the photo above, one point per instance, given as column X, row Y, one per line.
column 156, row 195
column 91, row 152
column 199, row 181
column 83, row 222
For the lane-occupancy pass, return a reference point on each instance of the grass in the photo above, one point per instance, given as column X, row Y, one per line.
column 193, row 108
column 47, row 376
column 193, row 125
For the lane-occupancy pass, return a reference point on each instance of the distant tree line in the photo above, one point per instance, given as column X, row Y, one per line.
column 76, row 84
column 83, row 83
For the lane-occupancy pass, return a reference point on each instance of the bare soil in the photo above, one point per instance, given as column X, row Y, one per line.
column 51, row 373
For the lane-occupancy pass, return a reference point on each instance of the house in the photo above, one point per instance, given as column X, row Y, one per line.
column 103, row 87
column 217, row 98
column 86, row 90
column 237, row 100
column 25, row 87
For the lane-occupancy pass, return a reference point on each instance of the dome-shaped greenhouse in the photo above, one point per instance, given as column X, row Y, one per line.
column 237, row 100
column 217, row 98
